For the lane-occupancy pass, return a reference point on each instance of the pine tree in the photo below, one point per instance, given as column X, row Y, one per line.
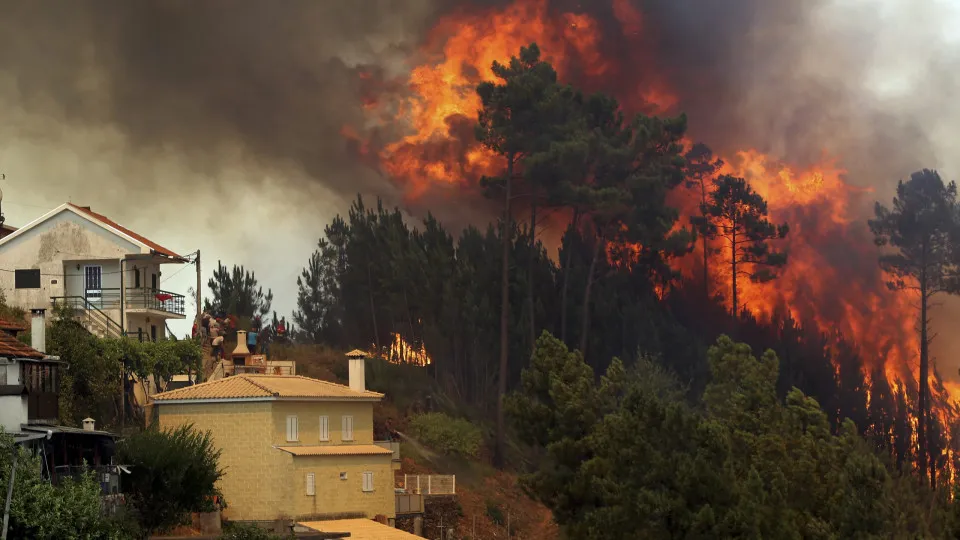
column 921, row 231
column 237, row 292
column 738, row 215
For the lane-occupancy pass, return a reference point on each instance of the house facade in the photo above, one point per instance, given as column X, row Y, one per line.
column 292, row 447
column 107, row 273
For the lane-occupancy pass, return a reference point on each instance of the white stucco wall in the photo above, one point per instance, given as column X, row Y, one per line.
column 56, row 246
column 13, row 412
column 12, row 371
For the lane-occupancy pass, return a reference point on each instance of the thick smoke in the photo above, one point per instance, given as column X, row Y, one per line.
column 210, row 107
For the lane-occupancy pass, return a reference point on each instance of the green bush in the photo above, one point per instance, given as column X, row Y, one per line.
column 245, row 531
column 448, row 435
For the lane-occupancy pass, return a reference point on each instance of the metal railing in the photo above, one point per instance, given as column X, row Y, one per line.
column 430, row 484
column 155, row 299
column 81, row 306
column 393, row 446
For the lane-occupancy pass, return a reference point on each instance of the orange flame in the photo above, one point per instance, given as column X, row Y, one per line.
column 399, row 351
column 438, row 151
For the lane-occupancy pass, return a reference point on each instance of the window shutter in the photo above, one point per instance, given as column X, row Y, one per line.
column 368, row 481
column 324, row 428
column 347, row 434
column 311, row 484
column 292, row 434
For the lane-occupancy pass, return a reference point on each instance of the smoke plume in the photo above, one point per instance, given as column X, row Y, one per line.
column 213, row 107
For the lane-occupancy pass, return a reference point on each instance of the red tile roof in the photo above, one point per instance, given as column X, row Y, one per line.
column 107, row 221
column 12, row 326
column 11, row 347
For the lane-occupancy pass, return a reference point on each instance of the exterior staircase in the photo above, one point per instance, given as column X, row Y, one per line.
column 90, row 317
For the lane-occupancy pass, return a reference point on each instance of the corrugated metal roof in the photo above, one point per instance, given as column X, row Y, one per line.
column 337, row 450
column 361, row 529
column 266, row 386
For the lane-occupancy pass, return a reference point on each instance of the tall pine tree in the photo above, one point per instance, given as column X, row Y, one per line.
column 921, row 232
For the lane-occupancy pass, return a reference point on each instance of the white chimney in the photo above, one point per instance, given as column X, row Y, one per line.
column 241, row 349
column 38, row 330
column 88, row 424
column 358, row 380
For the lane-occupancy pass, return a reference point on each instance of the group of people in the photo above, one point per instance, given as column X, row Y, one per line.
column 213, row 328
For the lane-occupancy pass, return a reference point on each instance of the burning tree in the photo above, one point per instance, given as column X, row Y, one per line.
column 923, row 229
column 738, row 215
column 701, row 166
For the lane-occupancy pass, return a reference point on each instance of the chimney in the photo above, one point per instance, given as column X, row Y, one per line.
column 241, row 349
column 38, row 330
column 358, row 380
column 88, row 424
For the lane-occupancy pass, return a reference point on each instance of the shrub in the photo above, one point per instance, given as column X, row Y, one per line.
column 450, row 436
column 245, row 531
column 173, row 473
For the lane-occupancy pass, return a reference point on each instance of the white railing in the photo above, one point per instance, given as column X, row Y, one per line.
column 430, row 484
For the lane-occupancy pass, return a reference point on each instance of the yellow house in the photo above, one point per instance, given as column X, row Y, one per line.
column 292, row 447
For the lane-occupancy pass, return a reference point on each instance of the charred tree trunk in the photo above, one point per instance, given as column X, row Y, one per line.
column 703, row 240
column 500, row 453
column 923, row 402
column 531, row 260
column 566, row 280
column 585, row 323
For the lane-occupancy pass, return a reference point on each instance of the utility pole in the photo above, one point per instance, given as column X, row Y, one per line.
column 199, row 307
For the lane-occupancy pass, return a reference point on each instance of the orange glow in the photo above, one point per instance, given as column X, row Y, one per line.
column 437, row 151
column 401, row 352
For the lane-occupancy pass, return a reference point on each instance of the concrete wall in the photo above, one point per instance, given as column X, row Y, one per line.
column 140, row 321
column 13, row 412
column 336, row 496
column 308, row 420
column 12, row 371
column 53, row 247
column 263, row 483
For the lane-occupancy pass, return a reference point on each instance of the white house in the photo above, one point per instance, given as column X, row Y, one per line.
column 109, row 274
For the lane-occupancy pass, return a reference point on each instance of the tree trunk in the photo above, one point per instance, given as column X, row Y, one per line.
column 500, row 453
column 735, row 310
column 566, row 281
column 530, row 267
column 923, row 405
column 585, row 323
column 706, row 274
column 373, row 309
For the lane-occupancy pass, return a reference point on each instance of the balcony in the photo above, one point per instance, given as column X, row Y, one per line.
column 155, row 300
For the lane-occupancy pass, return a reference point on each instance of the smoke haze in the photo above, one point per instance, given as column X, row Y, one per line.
column 217, row 125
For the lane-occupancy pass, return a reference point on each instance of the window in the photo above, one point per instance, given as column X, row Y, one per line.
column 311, row 484
column 368, row 481
column 153, row 281
column 292, row 433
column 347, row 432
column 153, row 332
column 26, row 279
column 93, row 284
column 324, row 428
column 343, row 475
column 136, row 278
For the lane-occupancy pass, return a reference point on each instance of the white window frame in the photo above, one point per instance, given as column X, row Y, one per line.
column 293, row 431
column 324, row 428
column 346, row 428
column 311, row 482
column 367, row 482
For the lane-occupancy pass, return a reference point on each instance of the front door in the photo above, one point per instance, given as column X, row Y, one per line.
column 93, row 284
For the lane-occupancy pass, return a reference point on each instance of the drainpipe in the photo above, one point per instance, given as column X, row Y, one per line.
column 123, row 295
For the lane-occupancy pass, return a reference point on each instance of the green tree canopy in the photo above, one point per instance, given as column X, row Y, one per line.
column 237, row 292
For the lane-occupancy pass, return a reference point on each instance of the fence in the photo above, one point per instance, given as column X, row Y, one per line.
column 430, row 484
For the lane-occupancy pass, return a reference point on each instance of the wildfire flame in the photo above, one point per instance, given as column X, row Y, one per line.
column 832, row 278
column 399, row 351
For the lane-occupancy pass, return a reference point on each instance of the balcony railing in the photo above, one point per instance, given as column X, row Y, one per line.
column 155, row 299
column 429, row 484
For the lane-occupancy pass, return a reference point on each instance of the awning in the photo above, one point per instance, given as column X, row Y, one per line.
column 361, row 529
column 337, row 450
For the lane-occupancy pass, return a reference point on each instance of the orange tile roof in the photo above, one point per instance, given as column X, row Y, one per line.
column 266, row 386
column 337, row 450
column 361, row 529
column 107, row 221
column 11, row 325
column 11, row 347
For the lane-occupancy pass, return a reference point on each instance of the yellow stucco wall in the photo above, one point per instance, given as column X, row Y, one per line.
column 336, row 496
column 261, row 482
column 308, row 421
